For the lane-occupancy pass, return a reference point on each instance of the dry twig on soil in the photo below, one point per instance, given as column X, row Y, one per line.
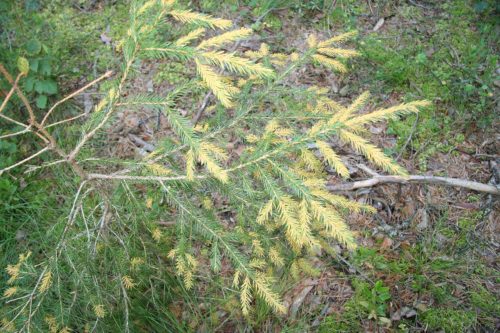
column 415, row 179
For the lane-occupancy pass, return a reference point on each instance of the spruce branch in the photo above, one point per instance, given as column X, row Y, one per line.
column 274, row 184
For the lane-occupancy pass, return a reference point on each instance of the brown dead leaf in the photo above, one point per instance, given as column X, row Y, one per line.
column 386, row 243
column 299, row 299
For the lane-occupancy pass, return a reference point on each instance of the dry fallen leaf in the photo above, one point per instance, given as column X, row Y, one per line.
column 386, row 243
column 299, row 299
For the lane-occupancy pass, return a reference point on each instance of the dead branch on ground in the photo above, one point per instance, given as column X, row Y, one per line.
column 415, row 179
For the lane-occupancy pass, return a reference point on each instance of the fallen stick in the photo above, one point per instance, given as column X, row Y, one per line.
column 202, row 108
column 413, row 179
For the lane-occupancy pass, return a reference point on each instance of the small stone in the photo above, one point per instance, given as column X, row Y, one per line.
column 335, row 87
column 87, row 103
column 424, row 221
column 421, row 307
column 344, row 91
column 396, row 316
column 441, row 239
column 20, row 235
column 106, row 39
column 376, row 130
column 379, row 24
column 149, row 86
column 410, row 314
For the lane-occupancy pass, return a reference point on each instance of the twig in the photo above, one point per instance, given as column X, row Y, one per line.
column 417, row 4
column 25, row 160
column 202, row 108
column 125, row 301
column 139, row 178
column 73, row 94
column 41, row 130
column 89, row 135
column 46, row 137
column 486, row 156
column 9, row 95
column 26, row 130
column 46, row 165
column 19, row 93
column 379, row 180
column 368, row 170
column 13, row 121
column 66, row 120
column 167, row 223
column 413, row 128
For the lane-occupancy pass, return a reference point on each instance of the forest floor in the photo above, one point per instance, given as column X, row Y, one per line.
column 429, row 257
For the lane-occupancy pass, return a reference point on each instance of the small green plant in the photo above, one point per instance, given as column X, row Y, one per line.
column 373, row 299
column 40, row 80
column 369, row 302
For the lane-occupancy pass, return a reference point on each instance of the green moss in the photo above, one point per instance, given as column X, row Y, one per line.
column 173, row 73
column 449, row 320
column 451, row 65
column 347, row 322
column 485, row 301
column 273, row 22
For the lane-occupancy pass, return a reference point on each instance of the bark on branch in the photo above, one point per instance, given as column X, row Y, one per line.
column 414, row 179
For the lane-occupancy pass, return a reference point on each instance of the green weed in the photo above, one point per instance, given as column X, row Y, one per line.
column 369, row 302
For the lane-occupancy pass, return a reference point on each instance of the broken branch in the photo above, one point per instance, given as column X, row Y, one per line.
column 415, row 179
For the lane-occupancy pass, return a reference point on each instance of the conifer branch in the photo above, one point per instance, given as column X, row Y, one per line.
column 224, row 38
column 236, row 64
column 274, row 200
column 338, row 39
column 186, row 16
column 195, row 34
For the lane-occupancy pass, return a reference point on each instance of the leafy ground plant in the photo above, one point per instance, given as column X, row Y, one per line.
column 249, row 215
